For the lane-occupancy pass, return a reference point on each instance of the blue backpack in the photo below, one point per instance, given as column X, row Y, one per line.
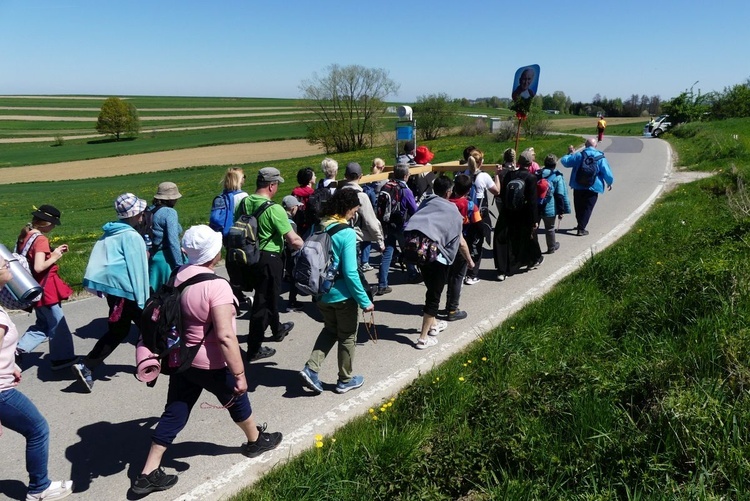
column 221, row 217
column 589, row 169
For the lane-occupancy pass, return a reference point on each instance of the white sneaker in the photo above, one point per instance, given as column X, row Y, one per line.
column 471, row 280
column 56, row 490
column 427, row 342
column 437, row 327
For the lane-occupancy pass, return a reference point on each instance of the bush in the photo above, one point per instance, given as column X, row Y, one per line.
column 476, row 128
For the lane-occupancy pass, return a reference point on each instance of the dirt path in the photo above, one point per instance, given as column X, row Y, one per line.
column 231, row 154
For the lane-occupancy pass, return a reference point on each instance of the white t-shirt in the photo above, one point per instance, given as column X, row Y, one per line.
column 482, row 183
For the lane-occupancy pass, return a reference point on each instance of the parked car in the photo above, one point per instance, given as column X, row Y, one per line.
column 657, row 126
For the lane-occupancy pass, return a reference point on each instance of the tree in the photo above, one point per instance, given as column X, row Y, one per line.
column 348, row 101
column 435, row 113
column 117, row 117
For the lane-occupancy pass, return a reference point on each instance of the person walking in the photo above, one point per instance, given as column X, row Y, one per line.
column 50, row 323
column 439, row 220
column 274, row 231
column 601, row 124
column 339, row 306
column 365, row 223
column 165, row 254
column 19, row 414
column 477, row 233
column 403, row 197
column 118, row 270
column 589, row 176
column 515, row 243
column 556, row 203
column 209, row 320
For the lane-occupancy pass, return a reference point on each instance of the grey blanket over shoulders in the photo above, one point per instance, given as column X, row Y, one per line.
column 439, row 220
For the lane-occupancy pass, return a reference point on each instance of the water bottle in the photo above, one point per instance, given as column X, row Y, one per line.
column 147, row 241
column 329, row 278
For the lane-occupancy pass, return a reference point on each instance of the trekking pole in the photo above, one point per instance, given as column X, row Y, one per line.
column 372, row 331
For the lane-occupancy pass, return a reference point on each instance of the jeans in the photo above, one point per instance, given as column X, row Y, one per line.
column 392, row 238
column 365, row 256
column 19, row 414
column 340, row 323
column 50, row 323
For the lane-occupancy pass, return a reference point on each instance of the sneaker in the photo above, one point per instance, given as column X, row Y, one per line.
column 582, row 233
column 284, row 329
column 456, row 315
column 263, row 352
column 57, row 365
column 442, row 313
column 501, row 277
column 310, row 380
column 264, row 443
column 553, row 249
column 83, row 374
column 437, row 328
column 354, row 383
column 157, row 480
column 56, row 490
column 471, row 280
column 383, row 290
column 537, row 264
column 366, row 267
column 428, row 342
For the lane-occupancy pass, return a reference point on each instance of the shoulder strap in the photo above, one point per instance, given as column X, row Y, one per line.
column 29, row 243
column 336, row 228
column 262, row 208
column 196, row 279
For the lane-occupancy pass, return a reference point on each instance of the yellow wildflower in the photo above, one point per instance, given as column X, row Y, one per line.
column 318, row 437
column 461, row 378
column 318, row 444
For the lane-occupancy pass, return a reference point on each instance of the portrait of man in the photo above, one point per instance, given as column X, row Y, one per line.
column 525, row 82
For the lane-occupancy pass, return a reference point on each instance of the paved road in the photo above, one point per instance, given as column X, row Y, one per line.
column 101, row 439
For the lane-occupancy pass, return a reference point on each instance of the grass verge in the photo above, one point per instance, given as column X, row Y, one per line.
column 628, row 381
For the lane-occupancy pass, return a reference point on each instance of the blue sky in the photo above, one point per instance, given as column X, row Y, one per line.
column 470, row 48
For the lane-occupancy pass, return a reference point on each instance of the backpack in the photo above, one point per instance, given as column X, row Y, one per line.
column 543, row 193
column 221, row 217
column 388, row 209
column 315, row 203
column 8, row 298
column 369, row 190
column 314, row 270
column 589, row 169
column 146, row 228
column 419, row 249
column 515, row 197
column 243, row 247
column 161, row 325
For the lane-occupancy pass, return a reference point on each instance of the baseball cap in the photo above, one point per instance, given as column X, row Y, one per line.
column 270, row 175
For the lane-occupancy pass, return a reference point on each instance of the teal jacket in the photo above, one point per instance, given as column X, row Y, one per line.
column 347, row 285
column 118, row 265
column 574, row 161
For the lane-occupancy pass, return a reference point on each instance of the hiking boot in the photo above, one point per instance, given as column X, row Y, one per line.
column 263, row 352
column 442, row 313
column 553, row 249
column 456, row 315
column 83, row 374
column 471, row 280
column 366, row 267
column 582, row 233
column 437, row 328
column 310, row 380
column 354, row 383
column 57, row 365
column 284, row 329
column 157, row 480
column 264, row 443
column 294, row 306
column 427, row 342
column 57, row 490
column 383, row 290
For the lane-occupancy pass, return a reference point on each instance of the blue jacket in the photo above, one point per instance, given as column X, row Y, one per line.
column 118, row 265
column 575, row 160
column 347, row 285
column 166, row 223
column 558, row 203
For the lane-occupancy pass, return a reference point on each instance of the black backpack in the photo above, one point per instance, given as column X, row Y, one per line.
column 315, row 204
column 589, row 169
column 243, row 247
column 161, row 325
column 515, row 194
column 146, row 228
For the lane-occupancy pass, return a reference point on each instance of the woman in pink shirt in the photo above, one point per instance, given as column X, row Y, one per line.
column 19, row 414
